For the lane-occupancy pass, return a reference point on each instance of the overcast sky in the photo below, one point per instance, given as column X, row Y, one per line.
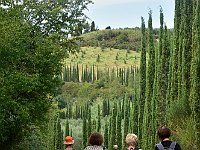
column 127, row 13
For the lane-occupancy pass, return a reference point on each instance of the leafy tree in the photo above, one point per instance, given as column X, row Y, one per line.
column 31, row 54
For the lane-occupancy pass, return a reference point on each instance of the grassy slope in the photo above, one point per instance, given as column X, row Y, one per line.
column 129, row 38
column 88, row 56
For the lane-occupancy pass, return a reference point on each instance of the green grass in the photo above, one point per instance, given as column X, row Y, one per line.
column 88, row 56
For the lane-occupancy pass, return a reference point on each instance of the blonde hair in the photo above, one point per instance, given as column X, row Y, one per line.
column 131, row 139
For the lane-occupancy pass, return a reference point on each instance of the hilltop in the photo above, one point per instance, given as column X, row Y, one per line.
column 128, row 38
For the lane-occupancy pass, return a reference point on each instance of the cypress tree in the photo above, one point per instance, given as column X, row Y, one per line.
column 77, row 73
column 174, row 84
column 59, row 144
column 89, row 122
column 65, row 74
column 123, row 108
column 104, row 110
column 186, row 54
column 163, row 72
column 71, row 132
column 84, row 131
column 119, row 129
column 92, row 26
column 94, row 125
column 142, row 75
column 126, row 118
column 67, row 128
column 195, row 74
column 93, row 73
column 106, row 135
column 149, row 85
column 113, row 129
column 108, row 107
column 99, row 120
column 82, row 74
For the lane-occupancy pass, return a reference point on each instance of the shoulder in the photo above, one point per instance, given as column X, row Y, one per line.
column 177, row 147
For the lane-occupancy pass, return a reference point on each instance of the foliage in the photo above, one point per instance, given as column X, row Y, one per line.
column 32, row 48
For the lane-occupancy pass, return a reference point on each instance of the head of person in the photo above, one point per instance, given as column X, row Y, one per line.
column 96, row 139
column 68, row 142
column 163, row 133
column 115, row 147
column 131, row 140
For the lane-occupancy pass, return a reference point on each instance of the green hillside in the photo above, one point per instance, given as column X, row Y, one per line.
column 104, row 58
column 129, row 38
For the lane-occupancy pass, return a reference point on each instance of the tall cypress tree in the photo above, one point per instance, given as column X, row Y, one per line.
column 142, row 75
column 163, row 71
column 186, row 54
column 106, row 135
column 84, row 131
column 126, row 117
column 59, row 143
column 99, row 119
column 174, row 85
column 149, row 85
column 67, row 128
column 89, row 122
column 119, row 129
column 195, row 74
column 113, row 128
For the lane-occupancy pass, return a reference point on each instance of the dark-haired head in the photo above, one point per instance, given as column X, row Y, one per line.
column 96, row 139
column 163, row 132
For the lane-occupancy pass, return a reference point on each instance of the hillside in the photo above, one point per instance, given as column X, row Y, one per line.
column 104, row 58
column 128, row 38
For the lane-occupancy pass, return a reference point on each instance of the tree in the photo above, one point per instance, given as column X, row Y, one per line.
column 59, row 142
column 149, row 102
column 142, row 74
column 92, row 28
column 119, row 129
column 99, row 120
column 195, row 74
column 32, row 53
column 106, row 135
column 67, row 128
column 84, row 131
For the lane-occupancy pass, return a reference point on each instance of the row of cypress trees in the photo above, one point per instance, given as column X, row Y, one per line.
column 169, row 82
column 72, row 73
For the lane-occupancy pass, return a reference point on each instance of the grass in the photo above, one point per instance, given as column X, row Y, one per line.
column 109, row 58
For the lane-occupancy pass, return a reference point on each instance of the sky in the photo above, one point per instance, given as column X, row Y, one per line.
column 127, row 13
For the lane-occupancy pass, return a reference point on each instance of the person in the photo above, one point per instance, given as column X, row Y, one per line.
column 68, row 142
column 164, row 133
column 95, row 141
column 115, row 147
column 131, row 141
